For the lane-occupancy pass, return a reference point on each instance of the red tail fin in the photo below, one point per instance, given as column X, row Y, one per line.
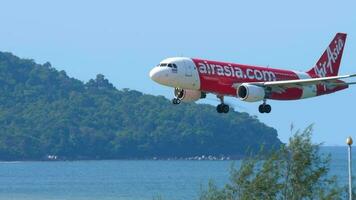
column 329, row 62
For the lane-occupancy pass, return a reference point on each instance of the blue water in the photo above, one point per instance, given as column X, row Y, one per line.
column 123, row 180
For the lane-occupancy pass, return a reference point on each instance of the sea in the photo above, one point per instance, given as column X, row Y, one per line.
column 126, row 179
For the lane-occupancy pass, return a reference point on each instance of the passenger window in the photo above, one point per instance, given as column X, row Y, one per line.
column 163, row 64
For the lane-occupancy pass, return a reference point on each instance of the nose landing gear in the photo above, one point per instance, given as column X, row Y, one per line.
column 222, row 107
column 179, row 95
column 264, row 108
column 176, row 101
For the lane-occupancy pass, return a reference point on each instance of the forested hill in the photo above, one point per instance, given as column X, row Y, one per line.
column 44, row 112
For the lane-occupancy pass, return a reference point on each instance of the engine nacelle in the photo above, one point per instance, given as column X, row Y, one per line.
column 250, row 93
column 188, row 95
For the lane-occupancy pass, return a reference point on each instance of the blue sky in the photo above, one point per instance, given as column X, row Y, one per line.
column 124, row 39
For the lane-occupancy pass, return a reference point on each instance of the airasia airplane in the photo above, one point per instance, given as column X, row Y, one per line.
column 193, row 78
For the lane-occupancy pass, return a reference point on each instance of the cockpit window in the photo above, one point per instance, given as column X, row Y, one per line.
column 174, row 68
column 170, row 65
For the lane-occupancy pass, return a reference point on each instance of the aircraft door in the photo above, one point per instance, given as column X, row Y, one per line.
column 191, row 77
column 188, row 69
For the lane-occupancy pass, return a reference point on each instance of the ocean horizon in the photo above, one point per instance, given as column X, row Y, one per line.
column 126, row 179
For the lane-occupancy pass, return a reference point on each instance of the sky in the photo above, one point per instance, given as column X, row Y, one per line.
column 125, row 39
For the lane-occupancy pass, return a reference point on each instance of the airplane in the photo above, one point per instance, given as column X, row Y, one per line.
column 193, row 78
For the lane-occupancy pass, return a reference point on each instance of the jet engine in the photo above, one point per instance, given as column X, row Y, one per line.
column 250, row 93
column 188, row 95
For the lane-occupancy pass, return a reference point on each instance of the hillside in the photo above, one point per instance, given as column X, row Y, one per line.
column 45, row 112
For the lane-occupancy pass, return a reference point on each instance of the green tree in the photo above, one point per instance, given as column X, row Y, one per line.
column 296, row 171
column 45, row 112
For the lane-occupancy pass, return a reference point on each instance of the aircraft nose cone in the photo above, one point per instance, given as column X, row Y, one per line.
column 161, row 76
column 154, row 74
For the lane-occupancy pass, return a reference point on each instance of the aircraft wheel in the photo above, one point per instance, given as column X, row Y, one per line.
column 268, row 108
column 219, row 108
column 225, row 108
column 261, row 108
column 264, row 108
column 176, row 101
column 222, row 108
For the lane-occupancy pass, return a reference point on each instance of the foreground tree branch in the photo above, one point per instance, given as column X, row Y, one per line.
column 295, row 171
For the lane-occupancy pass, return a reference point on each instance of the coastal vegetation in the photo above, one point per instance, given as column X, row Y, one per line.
column 44, row 114
column 296, row 171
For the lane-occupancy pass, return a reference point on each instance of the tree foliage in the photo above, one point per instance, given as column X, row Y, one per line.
column 296, row 171
column 45, row 112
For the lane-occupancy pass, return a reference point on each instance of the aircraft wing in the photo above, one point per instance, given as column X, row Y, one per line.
column 344, row 83
column 305, row 82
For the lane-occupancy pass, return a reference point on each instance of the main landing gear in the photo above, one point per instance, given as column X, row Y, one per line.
column 222, row 107
column 264, row 108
